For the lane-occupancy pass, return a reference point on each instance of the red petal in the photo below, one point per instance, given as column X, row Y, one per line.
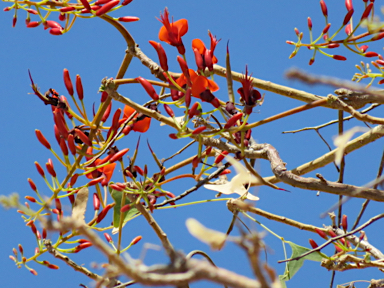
column 142, row 125
column 108, row 170
column 199, row 86
column 182, row 26
column 199, row 45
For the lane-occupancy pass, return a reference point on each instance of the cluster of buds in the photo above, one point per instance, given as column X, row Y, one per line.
column 78, row 136
column 349, row 40
column 68, row 10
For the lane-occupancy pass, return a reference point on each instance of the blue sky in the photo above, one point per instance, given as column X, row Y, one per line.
column 257, row 31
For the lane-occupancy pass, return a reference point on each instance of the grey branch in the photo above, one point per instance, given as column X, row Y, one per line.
column 195, row 269
column 85, row 271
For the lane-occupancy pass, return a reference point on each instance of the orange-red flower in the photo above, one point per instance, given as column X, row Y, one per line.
column 141, row 123
column 105, row 171
column 210, row 84
column 204, row 57
column 207, row 57
column 202, row 87
column 171, row 33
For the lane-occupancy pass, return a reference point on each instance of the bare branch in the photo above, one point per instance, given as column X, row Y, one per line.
column 195, row 269
column 81, row 269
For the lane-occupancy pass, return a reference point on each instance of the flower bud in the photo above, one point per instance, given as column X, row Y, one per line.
column 195, row 162
column 332, row 234
column 195, row 110
column 161, row 54
column 313, row 243
column 95, row 181
column 79, row 87
column 232, row 121
column 63, row 147
column 188, row 97
column 108, row 237
column 348, row 29
column 39, row 169
column 50, row 168
column 108, row 6
column 348, row 17
column 21, row 249
column 33, row 24
column 83, row 137
column 103, row 213
column 33, row 271
column 371, row 54
column 60, row 123
column 324, row 8
column 139, row 170
column 367, row 11
column 71, row 144
column 309, row 23
column 58, row 204
column 42, row 139
column 82, row 246
column 326, row 28
column 96, row 202
column 225, row 172
column 104, row 96
column 107, row 112
column 32, row 184
column 169, row 110
column 136, row 240
column 339, row 57
column 378, row 36
column 198, row 59
column 118, row 155
column 67, row 9
column 344, row 223
column 128, row 19
column 348, row 5
column 86, row 5
column 31, row 199
column 221, row 156
column 125, row 208
column 321, row 233
column 184, row 69
column 198, row 130
column 149, row 88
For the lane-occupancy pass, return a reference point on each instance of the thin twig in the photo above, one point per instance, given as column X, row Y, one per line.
column 376, row 95
column 366, row 202
column 194, row 269
column 369, row 222
column 79, row 268
column 234, row 204
column 194, row 188
column 373, row 106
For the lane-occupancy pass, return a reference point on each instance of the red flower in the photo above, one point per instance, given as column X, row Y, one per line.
column 171, row 33
column 211, row 85
column 248, row 94
column 206, row 54
column 141, row 122
column 105, row 171
column 202, row 87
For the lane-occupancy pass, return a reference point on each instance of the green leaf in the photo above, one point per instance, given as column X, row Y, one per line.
column 116, row 195
column 294, row 266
